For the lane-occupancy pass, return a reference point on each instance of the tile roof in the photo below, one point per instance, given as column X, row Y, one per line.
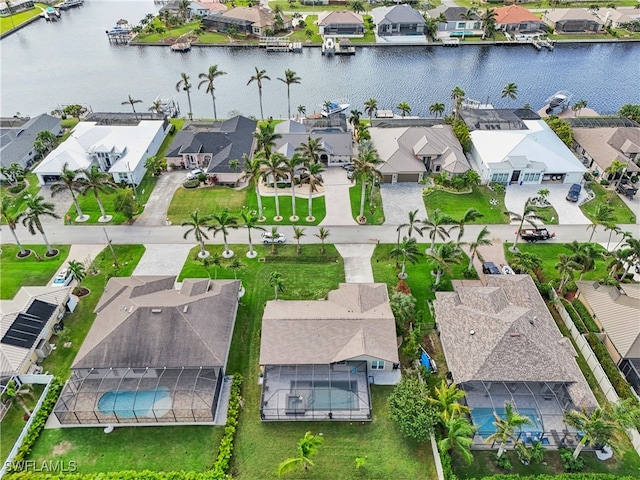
column 514, row 14
column 340, row 17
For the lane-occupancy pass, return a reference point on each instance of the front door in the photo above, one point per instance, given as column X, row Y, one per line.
column 515, row 176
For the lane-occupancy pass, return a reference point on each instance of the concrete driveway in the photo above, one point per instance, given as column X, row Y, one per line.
column 398, row 199
column 357, row 262
column 80, row 253
column 568, row 212
column 336, row 197
column 155, row 211
column 162, row 259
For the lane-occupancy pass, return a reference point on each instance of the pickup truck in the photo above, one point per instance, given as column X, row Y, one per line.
column 535, row 234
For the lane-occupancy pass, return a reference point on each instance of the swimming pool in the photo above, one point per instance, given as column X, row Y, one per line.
column 483, row 419
column 340, row 396
column 144, row 403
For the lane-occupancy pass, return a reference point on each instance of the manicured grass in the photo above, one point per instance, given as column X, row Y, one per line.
column 299, row 7
column 300, row 35
column 32, row 188
column 7, row 23
column 621, row 212
column 374, row 213
column 456, row 205
column 17, row 272
column 549, row 215
column 177, row 123
column 13, row 422
column 286, row 209
column 166, row 448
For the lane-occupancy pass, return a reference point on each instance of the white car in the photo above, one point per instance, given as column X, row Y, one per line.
column 63, row 278
column 266, row 237
column 194, row 174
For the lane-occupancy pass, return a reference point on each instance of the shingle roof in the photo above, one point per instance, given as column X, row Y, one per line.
column 401, row 14
column 16, row 143
column 560, row 14
column 452, row 14
column 340, row 17
column 605, row 145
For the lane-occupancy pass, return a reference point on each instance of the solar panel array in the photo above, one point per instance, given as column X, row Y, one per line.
column 26, row 328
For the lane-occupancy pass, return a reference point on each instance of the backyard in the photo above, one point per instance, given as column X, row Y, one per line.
column 489, row 203
column 14, row 421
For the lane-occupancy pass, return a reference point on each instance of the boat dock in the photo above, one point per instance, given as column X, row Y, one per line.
column 539, row 44
column 279, row 44
column 451, row 42
column 331, row 46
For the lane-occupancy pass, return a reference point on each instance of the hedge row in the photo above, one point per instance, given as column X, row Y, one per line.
column 447, row 469
column 577, row 321
column 562, row 476
column 123, row 475
column 225, row 451
column 586, row 317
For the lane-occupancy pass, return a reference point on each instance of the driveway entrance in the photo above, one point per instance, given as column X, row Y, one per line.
column 568, row 212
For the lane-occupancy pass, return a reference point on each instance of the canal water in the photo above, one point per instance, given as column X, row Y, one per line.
column 45, row 65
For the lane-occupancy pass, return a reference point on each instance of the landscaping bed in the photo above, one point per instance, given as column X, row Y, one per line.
column 374, row 213
column 621, row 212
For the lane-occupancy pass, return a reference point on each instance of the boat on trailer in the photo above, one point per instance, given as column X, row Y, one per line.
column 558, row 102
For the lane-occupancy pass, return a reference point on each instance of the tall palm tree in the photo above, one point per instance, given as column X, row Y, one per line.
column 618, row 261
column 98, row 182
column 459, row 435
column 370, row 108
column 467, row 15
column 613, row 228
column 408, row 249
column 196, row 225
column 596, row 427
column 442, row 257
column 529, row 215
column 603, row 214
column 70, row 181
column 457, row 95
column 311, row 150
column 274, row 167
column 266, row 137
column 405, row 109
column 489, row 22
column 436, row 109
column 31, row 218
column 354, row 118
column 480, row 241
column 509, row 427
column 446, row 399
column 510, row 91
column 322, row 234
column 132, row 101
column 291, row 166
column 436, row 226
column 223, row 222
column 259, row 77
column 307, row 447
column 207, row 79
column 11, row 218
column 302, row 110
column 471, row 215
column 277, row 283
column 290, row 78
column 614, row 169
column 365, row 165
column 412, row 225
column 298, row 233
column 565, row 266
column 250, row 222
column 313, row 178
column 184, row 84
column 253, row 172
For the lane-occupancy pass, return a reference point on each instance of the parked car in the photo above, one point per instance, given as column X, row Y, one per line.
column 194, row 173
column 266, row 237
column 348, row 165
column 63, row 278
column 350, row 174
column 490, row 268
column 574, row 192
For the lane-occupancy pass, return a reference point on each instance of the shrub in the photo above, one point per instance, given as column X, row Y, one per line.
column 225, row 451
column 403, row 288
column 545, row 290
column 193, row 183
column 447, row 469
column 570, row 286
column 17, row 188
column 503, row 462
column 569, row 463
column 586, row 317
column 577, row 321
column 604, row 182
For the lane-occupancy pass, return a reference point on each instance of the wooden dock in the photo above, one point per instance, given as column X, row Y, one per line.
column 279, row 44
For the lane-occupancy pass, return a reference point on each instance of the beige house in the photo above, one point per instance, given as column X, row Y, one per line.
column 318, row 357
column 343, row 23
column 573, row 20
column 246, row 20
column 599, row 147
column 410, row 153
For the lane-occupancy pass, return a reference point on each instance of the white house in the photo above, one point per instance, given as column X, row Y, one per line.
column 517, row 146
column 120, row 150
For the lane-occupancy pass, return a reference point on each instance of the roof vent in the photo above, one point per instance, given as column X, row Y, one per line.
column 185, row 309
column 533, row 320
column 156, row 310
column 515, row 334
column 472, row 332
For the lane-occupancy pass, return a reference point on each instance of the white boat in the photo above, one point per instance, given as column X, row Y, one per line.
column 507, row 270
column 70, row 4
column 119, row 30
column 558, row 102
column 333, row 108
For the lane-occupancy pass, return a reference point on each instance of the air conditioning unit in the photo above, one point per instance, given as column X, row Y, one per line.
column 43, row 349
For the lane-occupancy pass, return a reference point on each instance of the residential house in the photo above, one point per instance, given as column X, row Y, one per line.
column 617, row 17
column 518, row 147
column 573, row 20
column 341, row 23
column 154, row 354
column 616, row 309
column 120, row 150
column 456, row 25
column 16, row 143
column 502, row 345
column 398, row 20
column 410, row 153
column 318, row 357
column 200, row 8
column 15, row 6
column 515, row 20
column 599, row 147
column 246, row 20
column 213, row 148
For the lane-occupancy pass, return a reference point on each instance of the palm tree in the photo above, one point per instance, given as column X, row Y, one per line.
column 236, row 265
column 98, row 182
column 311, row 150
column 307, row 447
column 526, row 262
column 274, row 167
column 585, row 255
column 69, row 181
column 529, row 215
column 208, row 79
column 36, row 208
column 506, row 427
column 132, row 101
column 596, row 427
column 442, row 257
column 411, row 225
column 258, row 78
column 436, row 109
column 510, row 90
column 184, row 84
column 471, row 215
column 224, row 221
column 47, row 140
column 408, row 249
column 157, row 107
column 459, row 434
column 266, row 138
column 489, row 21
column 291, row 166
column 603, row 214
column 253, row 171
column 17, row 395
column 613, row 228
column 618, row 261
column 301, row 110
column 12, row 218
column 214, row 261
column 446, row 399
column 234, row 164
column 457, row 95
column 614, row 169
column 405, row 109
column 565, row 266
column 251, row 220
column 313, row 178
column 480, row 241
column 196, row 225
column 436, row 226
column 370, row 108
column 366, row 168
column 277, row 283
column 79, row 272
column 290, row 78
column 354, row 118
column 469, row 14
column 298, row 233
column 322, row 234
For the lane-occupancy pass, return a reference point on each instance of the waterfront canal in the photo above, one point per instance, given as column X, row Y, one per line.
column 45, row 65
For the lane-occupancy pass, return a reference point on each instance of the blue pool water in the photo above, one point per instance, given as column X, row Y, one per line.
column 136, row 404
column 483, row 419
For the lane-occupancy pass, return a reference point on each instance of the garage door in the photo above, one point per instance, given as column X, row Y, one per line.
column 387, row 178
column 408, row 177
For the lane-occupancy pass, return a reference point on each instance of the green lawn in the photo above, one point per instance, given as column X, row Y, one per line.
column 13, row 423
column 549, row 215
column 32, row 188
column 622, row 213
column 17, row 272
column 300, row 34
column 177, row 123
column 7, row 23
column 299, row 7
column 374, row 213
column 286, row 208
column 456, row 205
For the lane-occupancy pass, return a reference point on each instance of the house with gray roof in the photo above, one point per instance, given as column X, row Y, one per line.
column 502, row 345
column 454, row 24
column 617, row 311
column 338, row 146
column 341, row 23
column 16, row 143
column 410, row 153
column 211, row 148
column 398, row 20
column 154, row 354
column 318, row 357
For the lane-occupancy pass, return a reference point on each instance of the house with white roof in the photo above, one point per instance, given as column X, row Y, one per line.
column 518, row 147
column 120, row 150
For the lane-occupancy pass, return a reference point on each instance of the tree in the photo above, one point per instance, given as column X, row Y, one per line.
column 196, row 226
column 322, row 234
column 565, row 266
column 259, row 77
column 410, row 408
column 354, row 118
column 412, row 225
column 578, row 106
column 253, row 172
column 436, row 109
column 236, row 265
column 313, row 178
column 307, row 447
column 274, row 167
column 442, row 257
column 457, row 95
column 311, row 150
column 403, row 307
column 510, row 91
column 14, row 173
column 277, row 283
column 467, row 15
column 446, row 400
column 603, row 214
column 45, row 140
column 529, row 215
column 251, row 220
column 98, row 182
column 613, row 228
column 459, row 435
column 630, row 111
column 357, row 6
column 409, row 251
column 155, row 165
column 618, row 261
column 79, row 272
column 132, row 101
column 509, row 427
column 290, row 78
column 436, row 226
column 488, row 19
column 31, row 218
column 11, row 218
column 616, row 168
column 562, row 129
column 184, row 84
column 526, row 262
column 301, row 110
column 366, row 169
column 69, row 181
column 290, row 166
column 224, row 221
column 405, row 109
column 298, row 233
column 17, row 395
column 480, row 241
column 471, row 215
column 207, row 79
column 370, row 108
column 585, row 255
column 266, row 138
column 597, row 427
column 214, row 260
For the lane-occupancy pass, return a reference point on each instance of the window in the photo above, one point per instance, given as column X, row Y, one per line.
column 377, row 364
column 500, row 177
